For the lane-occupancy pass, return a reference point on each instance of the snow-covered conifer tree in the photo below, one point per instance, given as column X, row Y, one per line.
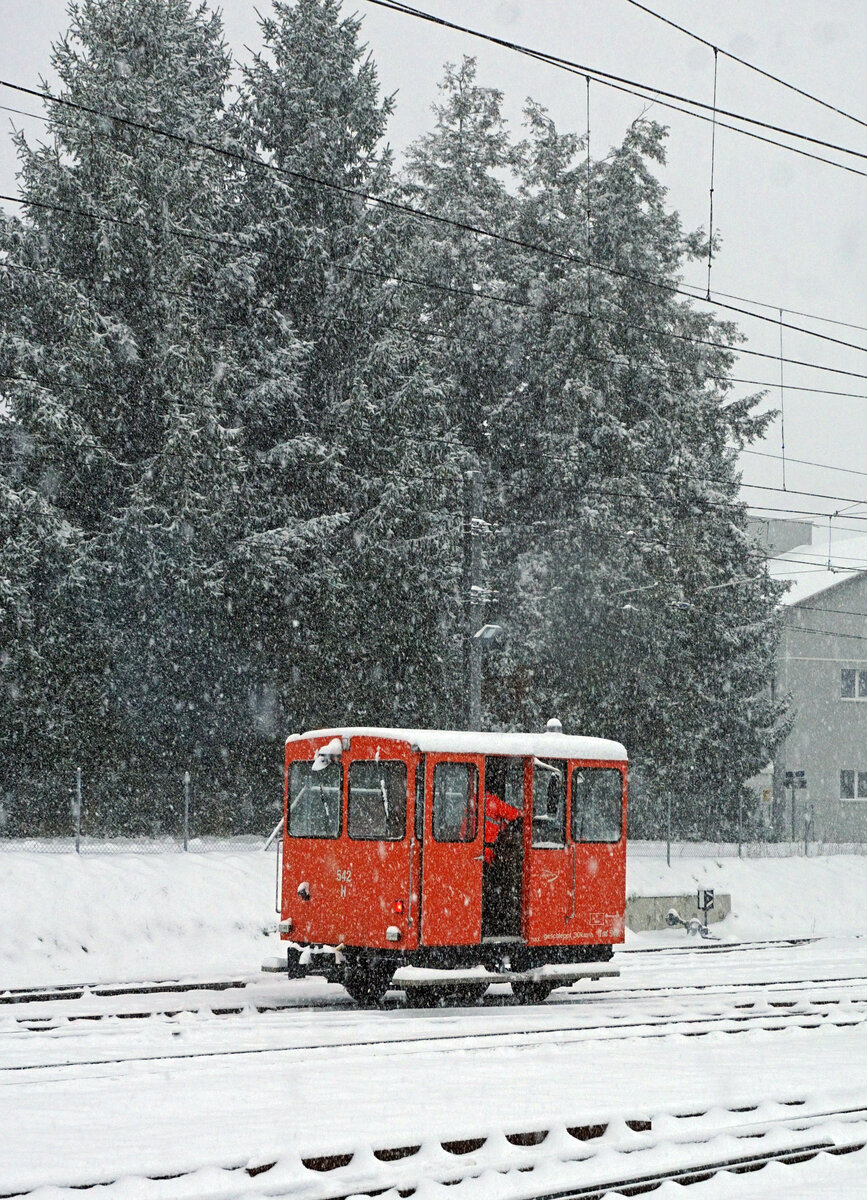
column 132, row 347
column 351, row 550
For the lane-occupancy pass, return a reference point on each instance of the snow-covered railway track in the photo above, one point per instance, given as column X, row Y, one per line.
column 34, row 995
column 629, row 1155
column 765, row 1016
column 64, row 991
column 241, row 998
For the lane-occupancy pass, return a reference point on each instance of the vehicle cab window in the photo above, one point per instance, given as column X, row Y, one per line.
column 455, row 802
column 549, row 803
column 377, row 801
column 597, row 804
column 315, row 800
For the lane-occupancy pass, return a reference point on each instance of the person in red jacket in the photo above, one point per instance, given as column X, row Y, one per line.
column 497, row 815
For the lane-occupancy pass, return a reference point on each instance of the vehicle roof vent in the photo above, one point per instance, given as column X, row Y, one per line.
column 554, row 726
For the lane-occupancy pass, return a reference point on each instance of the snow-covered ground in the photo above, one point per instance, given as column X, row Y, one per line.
column 210, row 1083
column 95, row 917
column 771, row 897
column 106, row 917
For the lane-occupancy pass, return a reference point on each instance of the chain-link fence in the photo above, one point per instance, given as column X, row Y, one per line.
column 682, row 850
column 125, row 810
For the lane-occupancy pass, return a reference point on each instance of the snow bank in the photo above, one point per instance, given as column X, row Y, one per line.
column 119, row 917
column 102, row 918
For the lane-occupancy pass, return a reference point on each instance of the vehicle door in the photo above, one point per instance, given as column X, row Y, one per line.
column 598, row 835
column 376, row 870
column 453, row 851
column 503, row 867
column 549, row 860
column 313, row 895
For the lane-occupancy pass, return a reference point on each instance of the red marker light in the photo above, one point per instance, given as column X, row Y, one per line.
column 398, row 907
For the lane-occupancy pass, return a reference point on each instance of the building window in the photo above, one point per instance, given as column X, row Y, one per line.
column 853, row 684
column 853, row 785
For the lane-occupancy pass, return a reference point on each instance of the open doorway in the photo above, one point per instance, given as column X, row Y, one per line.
column 502, row 872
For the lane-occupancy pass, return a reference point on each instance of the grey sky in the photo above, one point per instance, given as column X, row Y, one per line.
column 793, row 230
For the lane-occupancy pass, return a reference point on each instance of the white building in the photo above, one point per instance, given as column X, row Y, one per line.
column 822, row 666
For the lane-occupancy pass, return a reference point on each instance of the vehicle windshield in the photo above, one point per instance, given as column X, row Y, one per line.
column 314, row 800
column 377, row 800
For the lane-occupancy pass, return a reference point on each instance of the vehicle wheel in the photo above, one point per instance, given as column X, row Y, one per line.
column 455, row 995
column 466, row 994
column 531, row 991
column 367, row 986
column 419, row 997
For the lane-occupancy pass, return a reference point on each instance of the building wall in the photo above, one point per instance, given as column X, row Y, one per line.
column 824, row 635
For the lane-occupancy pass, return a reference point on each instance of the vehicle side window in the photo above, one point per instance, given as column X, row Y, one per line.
column 455, row 802
column 515, row 783
column 377, row 800
column 549, row 803
column 315, row 800
column 597, row 804
column 419, row 802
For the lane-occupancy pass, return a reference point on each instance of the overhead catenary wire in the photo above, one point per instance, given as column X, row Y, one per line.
column 601, row 76
column 423, row 214
column 843, row 612
column 805, row 462
column 472, row 293
column 792, row 312
column 750, row 66
column 855, row 637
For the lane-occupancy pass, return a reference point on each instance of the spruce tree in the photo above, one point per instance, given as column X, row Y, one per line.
column 134, row 341
column 649, row 611
column 351, row 550
column 636, row 606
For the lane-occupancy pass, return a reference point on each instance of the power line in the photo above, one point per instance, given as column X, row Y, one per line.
column 696, row 116
column 766, row 385
column 855, row 637
column 826, row 566
column 757, row 510
column 603, row 76
column 793, row 312
column 425, row 214
column 665, row 474
column 804, row 462
column 750, row 66
column 471, row 293
column 848, row 612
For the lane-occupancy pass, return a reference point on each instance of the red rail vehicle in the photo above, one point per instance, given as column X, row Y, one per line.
column 474, row 856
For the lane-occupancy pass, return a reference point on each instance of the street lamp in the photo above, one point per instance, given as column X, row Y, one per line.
column 481, row 640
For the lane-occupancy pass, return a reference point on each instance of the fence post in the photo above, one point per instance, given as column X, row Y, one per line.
column 186, row 810
column 668, row 835
column 78, row 810
column 740, row 823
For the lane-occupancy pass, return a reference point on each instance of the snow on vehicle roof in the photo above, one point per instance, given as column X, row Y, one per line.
column 460, row 741
column 806, row 568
